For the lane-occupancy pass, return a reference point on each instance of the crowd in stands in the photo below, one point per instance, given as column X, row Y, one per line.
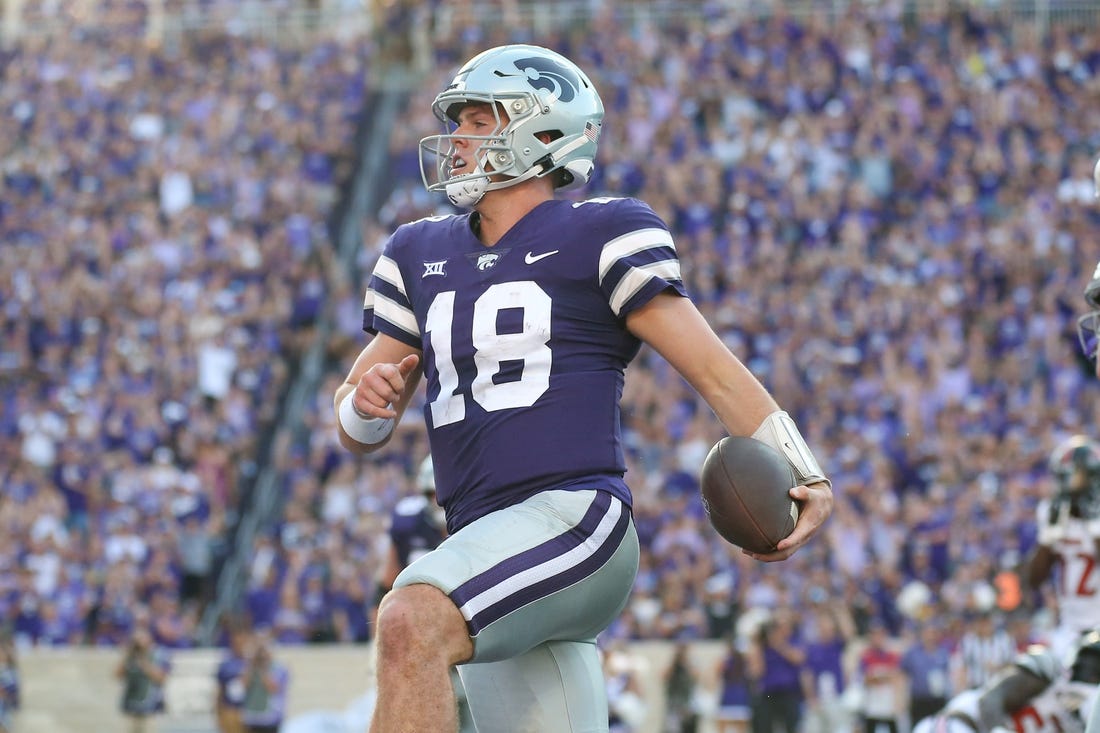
column 164, row 229
column 888, row 215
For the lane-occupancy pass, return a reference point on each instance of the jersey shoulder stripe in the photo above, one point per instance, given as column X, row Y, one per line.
column 638, row 277
column 633, row 243
column 387, row 271
column 386, row 304
column 639, row 260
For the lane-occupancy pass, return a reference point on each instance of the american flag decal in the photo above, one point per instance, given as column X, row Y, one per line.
column 591, row 131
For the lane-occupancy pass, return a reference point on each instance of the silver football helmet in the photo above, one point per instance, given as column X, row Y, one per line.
column 1075, row 463
column 532, row 91
column 425, row 477
column 1088, row 325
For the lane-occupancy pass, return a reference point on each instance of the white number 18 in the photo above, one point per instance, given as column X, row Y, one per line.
column 491, row 349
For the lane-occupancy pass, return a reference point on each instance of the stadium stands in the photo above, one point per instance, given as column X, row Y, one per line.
column 886, row 211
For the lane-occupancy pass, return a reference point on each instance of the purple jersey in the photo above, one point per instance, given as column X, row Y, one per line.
column 524, row 343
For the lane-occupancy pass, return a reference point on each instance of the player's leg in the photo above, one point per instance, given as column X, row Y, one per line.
column 421, row 635
column 557, row 687
column 558, row 567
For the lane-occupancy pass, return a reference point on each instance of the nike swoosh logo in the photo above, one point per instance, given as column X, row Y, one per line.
column 531, row 258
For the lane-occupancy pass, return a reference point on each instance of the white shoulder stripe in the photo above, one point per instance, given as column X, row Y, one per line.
column 636, row 279
column 395, row 313
column 386, row 269
column 629, row 244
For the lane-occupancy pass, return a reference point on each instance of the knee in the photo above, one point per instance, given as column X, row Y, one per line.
column 419, row 622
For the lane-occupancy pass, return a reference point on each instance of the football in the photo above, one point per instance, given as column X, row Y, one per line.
column 745, row 485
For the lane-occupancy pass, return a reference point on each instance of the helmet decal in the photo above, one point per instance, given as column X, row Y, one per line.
column 549, row 75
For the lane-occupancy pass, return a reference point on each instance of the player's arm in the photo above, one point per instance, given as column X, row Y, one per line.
column 677, row 330
column 1008, row 692
column 1051, row 529
column 1039, row 565
column 376, row 392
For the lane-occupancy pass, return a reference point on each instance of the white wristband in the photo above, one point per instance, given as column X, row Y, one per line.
column 779, row 431
column 369, row 431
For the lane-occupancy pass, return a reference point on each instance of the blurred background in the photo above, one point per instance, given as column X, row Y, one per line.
column 885, row 208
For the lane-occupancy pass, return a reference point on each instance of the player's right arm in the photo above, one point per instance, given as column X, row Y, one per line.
column 1007, row 693
column 381, row 383
column 990, row 707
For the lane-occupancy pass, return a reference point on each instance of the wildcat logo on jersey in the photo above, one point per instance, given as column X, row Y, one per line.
column 551, row 76
column 485, row 261
column 434, row 268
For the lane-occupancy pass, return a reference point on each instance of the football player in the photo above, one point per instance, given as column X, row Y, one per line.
column 1035, row 694
column 416, row 528
column 1088, row 324
column 521, row 316
column 1069, row 540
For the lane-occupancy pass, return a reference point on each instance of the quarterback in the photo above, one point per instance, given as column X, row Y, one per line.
column 521, row 317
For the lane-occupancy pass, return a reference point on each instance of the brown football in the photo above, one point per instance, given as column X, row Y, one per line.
column 745, row 485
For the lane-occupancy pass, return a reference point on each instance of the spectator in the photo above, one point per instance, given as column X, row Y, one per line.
column 195, row 549
column 681, row 715
column 265, row 681
column 143, row 671
column 824, row 677
column 883, row 685
column 230, row 679
column 734, row 701
column 779, row 687
column 926, row 664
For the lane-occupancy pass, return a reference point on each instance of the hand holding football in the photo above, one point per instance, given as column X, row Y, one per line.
column 746, row 486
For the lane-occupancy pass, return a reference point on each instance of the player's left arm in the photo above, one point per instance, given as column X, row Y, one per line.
column 675, row 328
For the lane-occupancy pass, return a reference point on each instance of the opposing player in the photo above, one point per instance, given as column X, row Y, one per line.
column 522, row 315
column 1069, row 540
column 1086, row 329
column 1035, row 694
column 1089, row 323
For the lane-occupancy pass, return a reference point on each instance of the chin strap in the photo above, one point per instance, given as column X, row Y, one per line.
column 467, row 192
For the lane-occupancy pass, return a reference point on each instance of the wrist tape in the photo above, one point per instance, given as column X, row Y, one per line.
column 779, row 431
column 366, row 430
